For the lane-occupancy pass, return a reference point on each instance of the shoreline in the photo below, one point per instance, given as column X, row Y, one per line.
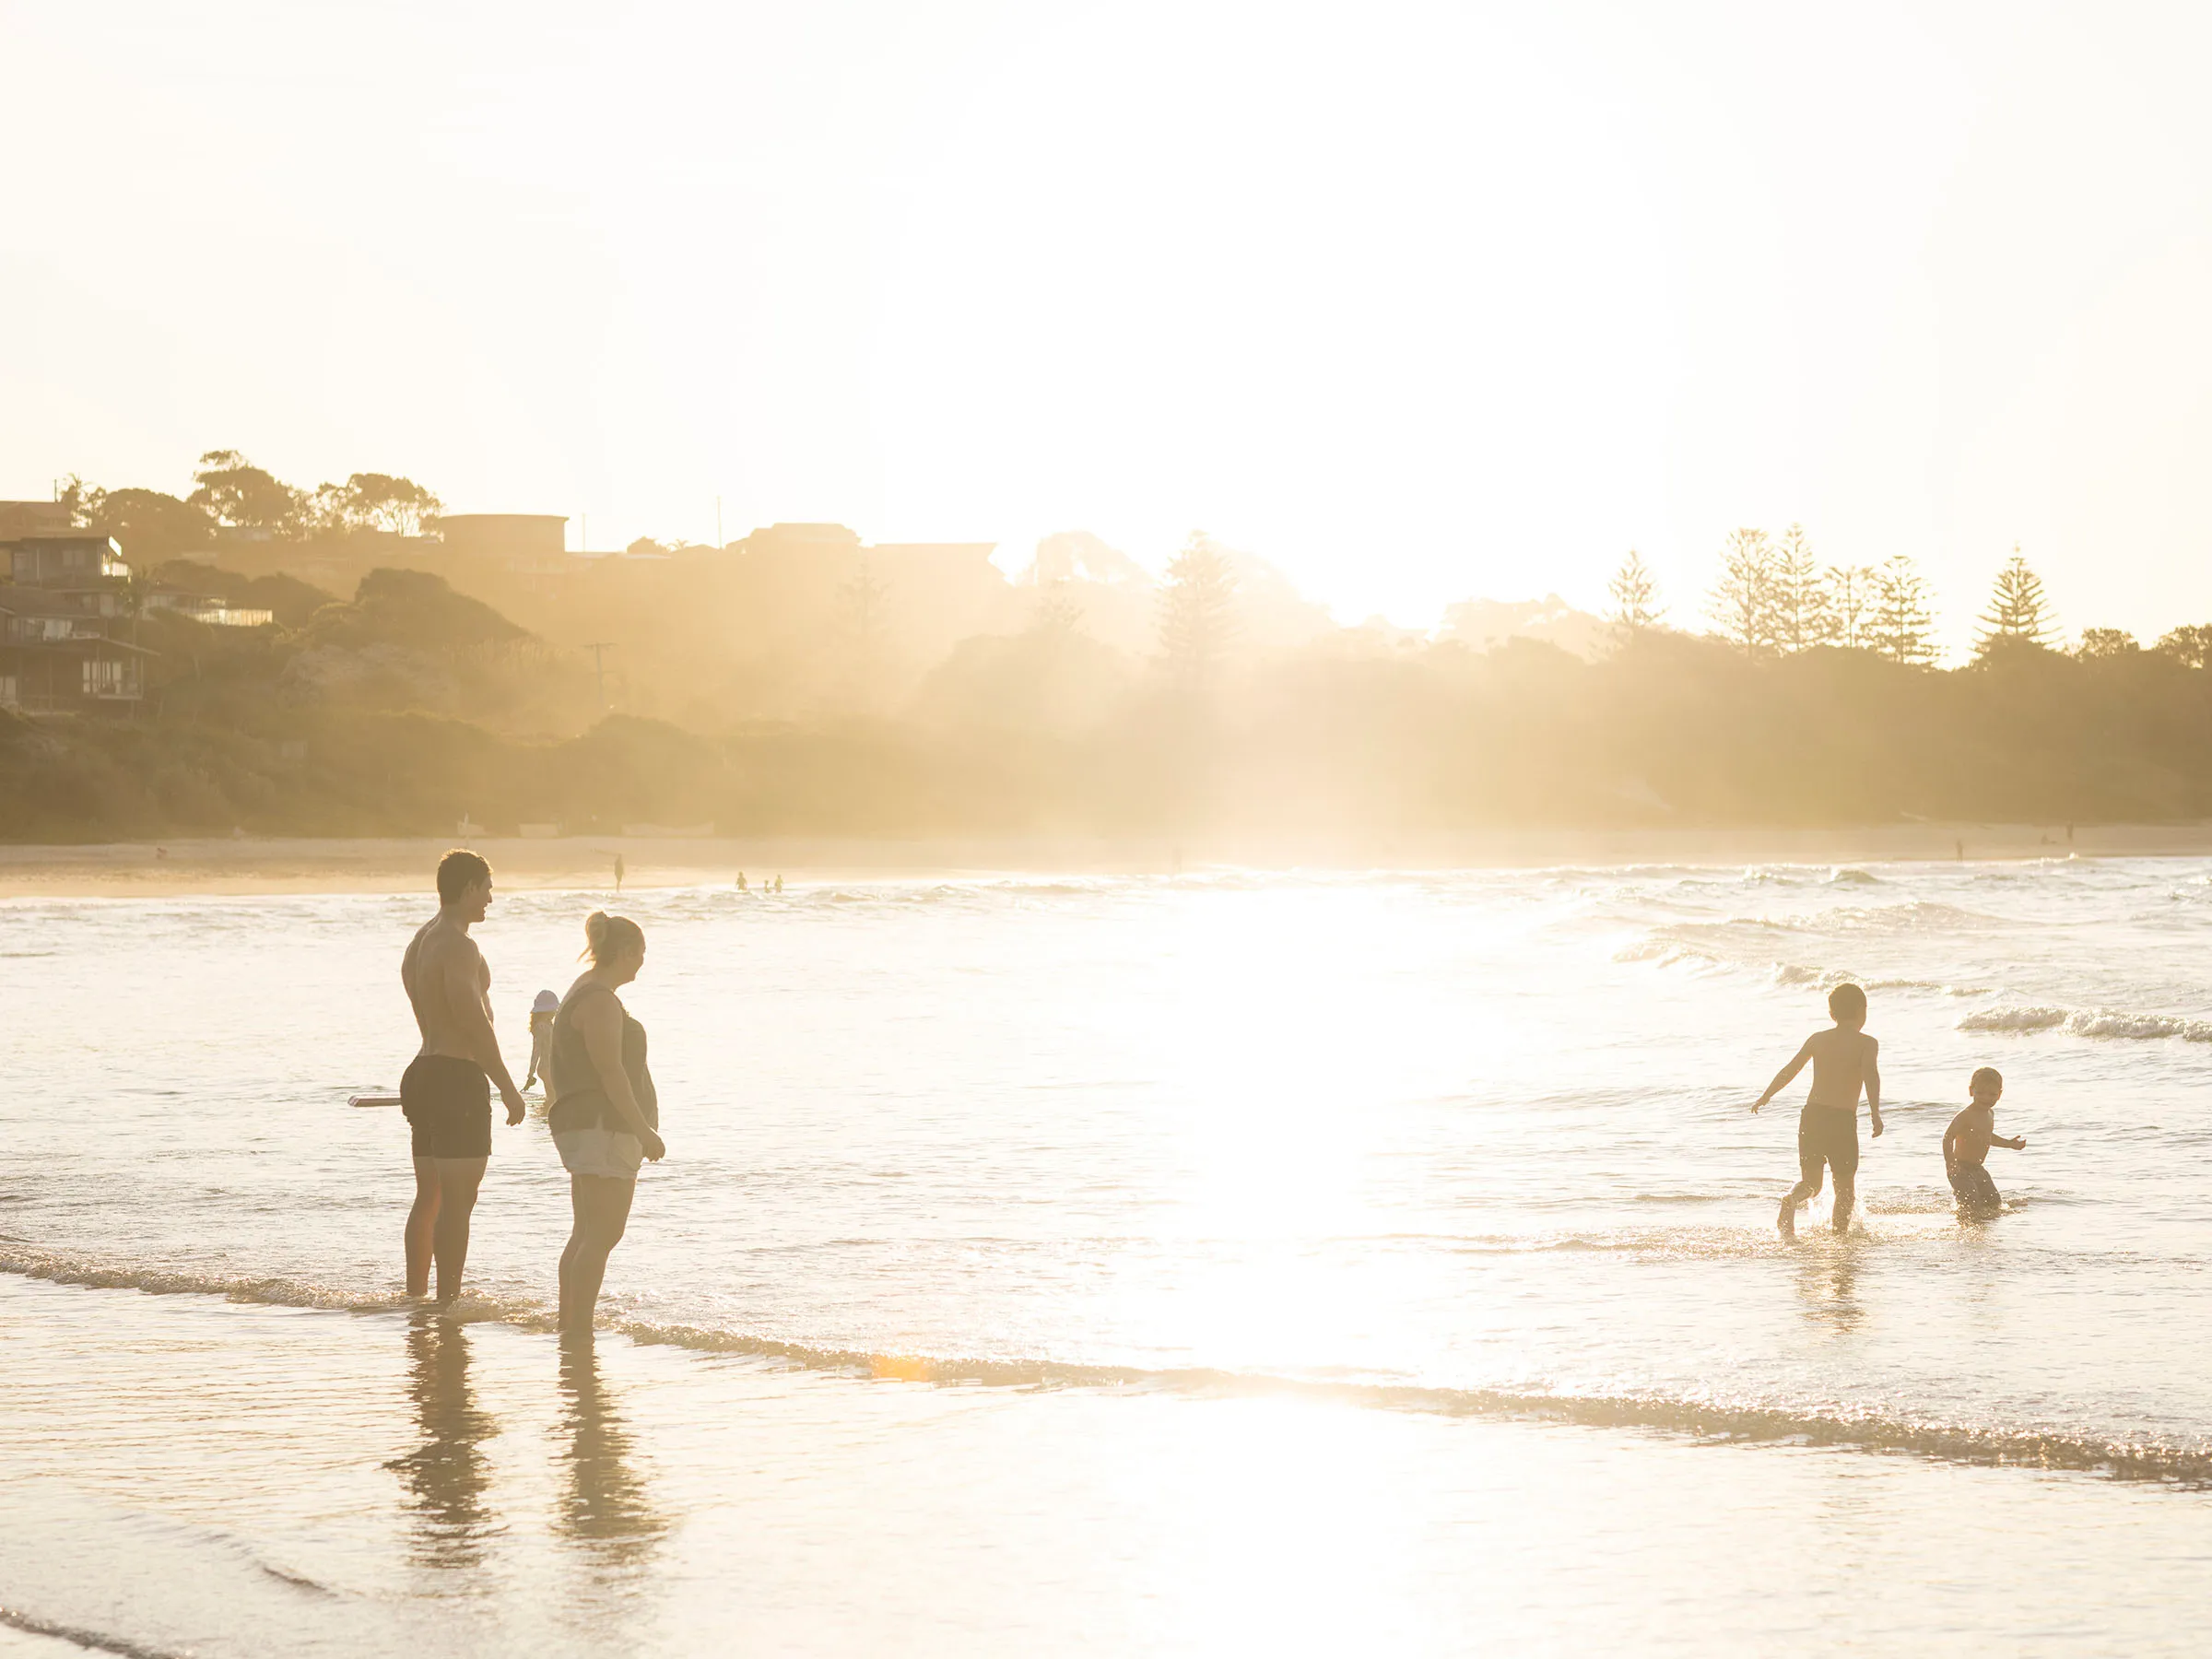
column 295, row 865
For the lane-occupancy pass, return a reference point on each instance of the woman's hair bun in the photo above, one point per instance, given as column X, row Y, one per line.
column 606, row 936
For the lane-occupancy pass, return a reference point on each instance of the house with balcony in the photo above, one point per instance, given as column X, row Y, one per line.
column 207, row 608
column 66, row 616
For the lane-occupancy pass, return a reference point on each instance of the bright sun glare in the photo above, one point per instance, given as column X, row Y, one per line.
column 1456, row 302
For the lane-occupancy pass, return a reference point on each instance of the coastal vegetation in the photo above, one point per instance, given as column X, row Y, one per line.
column 831, row 692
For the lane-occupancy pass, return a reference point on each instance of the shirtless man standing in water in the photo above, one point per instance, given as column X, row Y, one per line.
column 1844, row 1061
column 446, row 1094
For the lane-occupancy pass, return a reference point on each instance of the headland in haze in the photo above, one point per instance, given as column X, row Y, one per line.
column 357, row 662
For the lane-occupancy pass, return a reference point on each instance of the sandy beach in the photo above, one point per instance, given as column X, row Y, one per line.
column 275, row 865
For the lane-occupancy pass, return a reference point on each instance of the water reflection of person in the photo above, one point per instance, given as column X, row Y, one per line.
column 605, row 1505
column 448, row 1477
column 1827, row 1285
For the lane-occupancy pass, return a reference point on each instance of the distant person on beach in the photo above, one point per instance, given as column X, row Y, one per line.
column 1843, row 1059
column 543, row 1006
column 1967, row 1142
column 618, row 875
column 741, row 886
column 446, row 1092
column 606, row 1115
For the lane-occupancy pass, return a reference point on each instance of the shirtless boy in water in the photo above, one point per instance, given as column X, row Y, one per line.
column 446, row 1093
column 1967, row 1142
column 1843, row 1061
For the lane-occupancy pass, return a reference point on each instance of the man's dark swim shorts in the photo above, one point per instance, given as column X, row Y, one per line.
column 1831, row 1135
column 448, row 1105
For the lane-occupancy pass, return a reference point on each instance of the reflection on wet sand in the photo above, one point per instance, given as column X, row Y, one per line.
column 606, row 1506
column 447, row 1477
column 1827, row 1283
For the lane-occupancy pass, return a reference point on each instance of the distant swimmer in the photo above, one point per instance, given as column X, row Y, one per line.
column 779, row 884
column 1967, row 1142
column 446, row 1093
column 606, row 1116
column 741, row 886
column 1843, row 1061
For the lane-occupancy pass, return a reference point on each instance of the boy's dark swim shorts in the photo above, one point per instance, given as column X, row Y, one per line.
column 448, row 1105
column 1973, row 1188
column 1828, row 1135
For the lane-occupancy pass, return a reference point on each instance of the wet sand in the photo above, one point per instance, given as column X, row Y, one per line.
column 265, row 1480
column 256, row 865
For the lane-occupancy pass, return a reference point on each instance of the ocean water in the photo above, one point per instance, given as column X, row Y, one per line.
column 1322, row 1261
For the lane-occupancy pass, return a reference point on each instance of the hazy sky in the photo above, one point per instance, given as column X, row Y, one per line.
column 1420, row 301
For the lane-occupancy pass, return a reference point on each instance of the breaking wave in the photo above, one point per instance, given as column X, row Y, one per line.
column 2086, row 1022
column 1676, row 952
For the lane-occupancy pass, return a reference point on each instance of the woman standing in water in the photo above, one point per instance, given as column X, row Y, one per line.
column 605, row 1114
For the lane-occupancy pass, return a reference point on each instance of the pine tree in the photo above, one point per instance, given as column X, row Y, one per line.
column 860, row 608
column 861, row 616
column 1851, row 601
column 2018, row 609
column 1901, row 625
column 1636, row 606
column 1197, row 612
column 1744, row 602
column 1802, row 616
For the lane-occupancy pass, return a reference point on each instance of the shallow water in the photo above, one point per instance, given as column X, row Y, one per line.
column 1205, row 1238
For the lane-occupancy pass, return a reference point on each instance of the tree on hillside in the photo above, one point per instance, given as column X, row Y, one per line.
column 1851, row 603
column 1901, row 624
column 1745, row 602
column 2191, row 646
column 1197, row 612
column 1635, row 595
column 2017, row 608
column 413, row 609
column 235, row 492
column 1802, row 614
column 1057, row 611
column 149, row 525
column 376, row 501
column 2106, row 642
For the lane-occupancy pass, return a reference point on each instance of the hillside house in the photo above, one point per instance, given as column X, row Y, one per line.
column 526, row 543
column 209, row 609
column 65, row 616
column 33, row 518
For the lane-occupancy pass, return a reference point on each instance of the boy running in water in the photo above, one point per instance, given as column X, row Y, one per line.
column 1967, row 1142
column 1843, row 1061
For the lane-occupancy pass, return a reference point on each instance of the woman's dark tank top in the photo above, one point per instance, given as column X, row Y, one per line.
column 580, row 1101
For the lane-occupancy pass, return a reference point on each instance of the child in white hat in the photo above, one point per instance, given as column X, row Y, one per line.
column 543, row 1006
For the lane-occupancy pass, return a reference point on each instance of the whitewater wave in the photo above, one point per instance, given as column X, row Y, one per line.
column 1675, row 953
column 2025, row 1019
column 2145, row 1457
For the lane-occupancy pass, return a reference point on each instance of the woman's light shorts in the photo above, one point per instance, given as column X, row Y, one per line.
column 607, row 1153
